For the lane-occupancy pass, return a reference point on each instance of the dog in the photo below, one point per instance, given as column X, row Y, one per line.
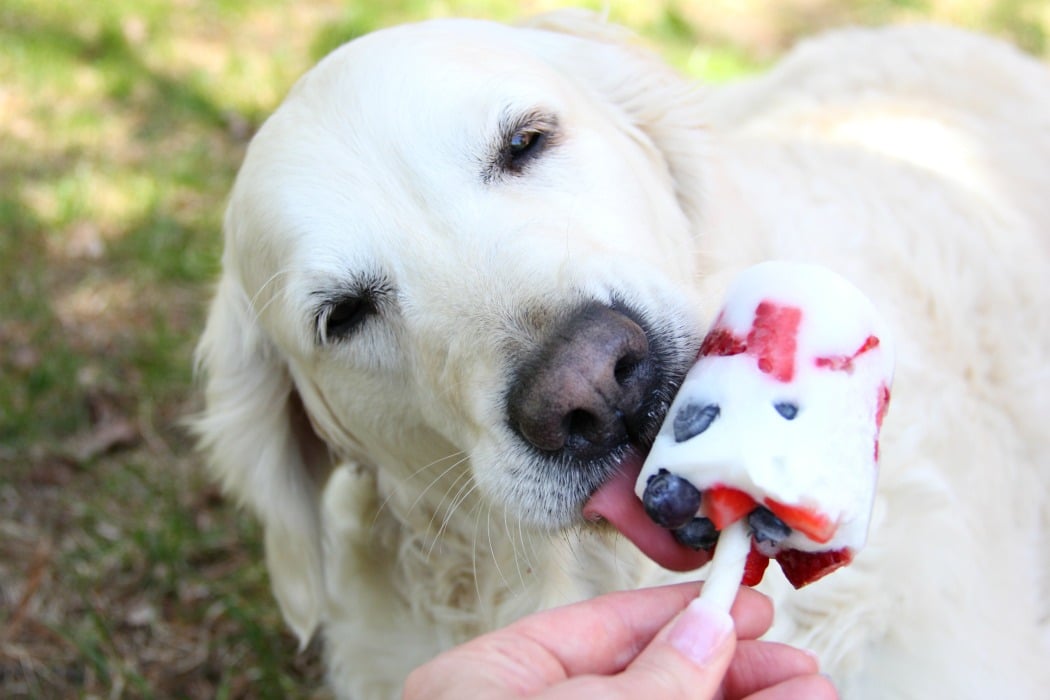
column 467, row 264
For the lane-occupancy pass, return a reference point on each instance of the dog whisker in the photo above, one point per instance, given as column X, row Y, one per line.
column 478, row 508
column 528, row 545
column 468, row 487
column 257, row 313
column 461, row 477
column 495, row 559
column 513, row 546
column 571, row 537
column 522, row 560
column 459, row 456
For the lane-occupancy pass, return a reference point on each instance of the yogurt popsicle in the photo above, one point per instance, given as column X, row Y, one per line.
column 770, row 448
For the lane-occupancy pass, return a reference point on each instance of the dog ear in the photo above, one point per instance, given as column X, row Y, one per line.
column 612, row 62
column 261, row 446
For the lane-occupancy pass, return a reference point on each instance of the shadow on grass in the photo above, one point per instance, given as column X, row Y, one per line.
column 182, row 145
column 122, row 572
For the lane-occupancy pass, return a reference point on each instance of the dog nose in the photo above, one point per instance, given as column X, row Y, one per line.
column 587, row 389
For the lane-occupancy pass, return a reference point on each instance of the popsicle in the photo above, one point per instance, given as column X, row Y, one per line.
column 770, row 448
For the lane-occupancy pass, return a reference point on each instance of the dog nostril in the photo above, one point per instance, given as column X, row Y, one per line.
column 625, row 369
column 580, row 422
column 588, row 432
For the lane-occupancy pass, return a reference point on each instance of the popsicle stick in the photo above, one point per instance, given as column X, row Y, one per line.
column 727, row 566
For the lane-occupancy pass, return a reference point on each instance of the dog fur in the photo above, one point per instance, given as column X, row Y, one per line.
column 403, row 515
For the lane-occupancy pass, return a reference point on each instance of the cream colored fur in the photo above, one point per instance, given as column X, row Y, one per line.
column 915, row 161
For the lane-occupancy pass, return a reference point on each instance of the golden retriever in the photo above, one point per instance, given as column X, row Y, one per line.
column 467, row 264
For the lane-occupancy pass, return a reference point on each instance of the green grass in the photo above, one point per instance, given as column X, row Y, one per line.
column 123, row 572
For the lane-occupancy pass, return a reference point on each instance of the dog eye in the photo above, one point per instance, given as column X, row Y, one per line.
column 522, row 146
column 342, row 309
column 344, row 316
column 522, row 140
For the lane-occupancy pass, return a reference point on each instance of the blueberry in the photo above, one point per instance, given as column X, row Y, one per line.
column 698, row 533
column 670, row 500
column 693, row 419
column 787, row 409
column 767, row 527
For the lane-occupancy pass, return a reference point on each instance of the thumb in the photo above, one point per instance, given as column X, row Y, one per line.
column 687, row 659
column 690, row 656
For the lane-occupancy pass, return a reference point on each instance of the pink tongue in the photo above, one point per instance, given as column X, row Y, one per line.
column 617, row 503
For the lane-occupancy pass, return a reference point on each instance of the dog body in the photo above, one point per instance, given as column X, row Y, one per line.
column 442, row 217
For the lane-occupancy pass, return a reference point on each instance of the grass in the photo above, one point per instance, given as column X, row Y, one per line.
column 123, row 572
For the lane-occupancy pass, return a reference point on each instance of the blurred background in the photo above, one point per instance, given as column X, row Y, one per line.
column 123, row 572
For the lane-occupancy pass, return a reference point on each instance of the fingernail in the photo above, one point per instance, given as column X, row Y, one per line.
column 700, row 630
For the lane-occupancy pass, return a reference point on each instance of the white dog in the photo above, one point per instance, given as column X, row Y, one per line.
column 467, row 265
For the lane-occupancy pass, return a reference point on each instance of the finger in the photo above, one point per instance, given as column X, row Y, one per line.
column 687, row 659
column 599, row 636
column 813, row 687
column 752, row 613
column 757, row 665
column 603, row 635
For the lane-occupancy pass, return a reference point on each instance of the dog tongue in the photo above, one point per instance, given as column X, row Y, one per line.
column 617, row 503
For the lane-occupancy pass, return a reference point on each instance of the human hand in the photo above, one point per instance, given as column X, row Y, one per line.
column 650, row 643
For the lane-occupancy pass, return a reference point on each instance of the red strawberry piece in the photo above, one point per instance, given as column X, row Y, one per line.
column 882, row 405
column 725, row 505
column 803, row 568
column 816, row 526
column 774, row 338
column 721, row 342
column 843, row 363
column 754, row 567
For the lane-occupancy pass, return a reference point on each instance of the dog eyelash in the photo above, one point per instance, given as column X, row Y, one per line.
column 521, row 141
column 341, row 314
column 340, row 318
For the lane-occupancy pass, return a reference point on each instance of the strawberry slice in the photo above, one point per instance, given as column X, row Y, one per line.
column 816, row 526
column 725, row 505
column 754, row 567
column 773, row 339
column 802, row 568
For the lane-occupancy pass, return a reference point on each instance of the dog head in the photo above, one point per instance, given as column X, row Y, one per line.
column 456, row 248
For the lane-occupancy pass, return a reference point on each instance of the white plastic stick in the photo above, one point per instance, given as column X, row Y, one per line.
column 727, row 566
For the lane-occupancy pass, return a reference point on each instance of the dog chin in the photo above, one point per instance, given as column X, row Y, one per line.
column 599, row 496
